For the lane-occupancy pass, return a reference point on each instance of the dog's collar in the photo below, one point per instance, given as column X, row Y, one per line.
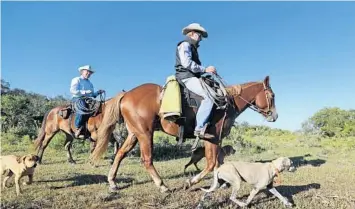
column 277, row 173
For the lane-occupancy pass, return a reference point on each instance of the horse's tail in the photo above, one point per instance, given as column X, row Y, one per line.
column 111, row 117
column 38, row 141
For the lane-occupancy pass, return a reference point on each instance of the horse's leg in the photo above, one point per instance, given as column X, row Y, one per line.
column 127, row 146
column 115, row 149
column 68, row 146
column 116, row 146
column 211, row 158
column 146, row 147
column 93, row 140
column 47, row 139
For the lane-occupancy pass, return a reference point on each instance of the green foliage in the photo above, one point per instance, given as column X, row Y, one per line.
column 5, row 86
column 22, row 113
column 20, row 110
column 11, row 143
column 331, row 122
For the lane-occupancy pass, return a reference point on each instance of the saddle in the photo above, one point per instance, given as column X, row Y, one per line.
column 191, row 100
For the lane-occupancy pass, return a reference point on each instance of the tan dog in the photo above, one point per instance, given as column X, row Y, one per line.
column 260, row 175
column 199, row 153
column 20, row 166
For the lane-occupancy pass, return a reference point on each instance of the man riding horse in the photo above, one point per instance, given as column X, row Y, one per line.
column 81, row 89
column 189, row 70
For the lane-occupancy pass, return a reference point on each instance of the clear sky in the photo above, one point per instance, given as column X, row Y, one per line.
column 307, row 48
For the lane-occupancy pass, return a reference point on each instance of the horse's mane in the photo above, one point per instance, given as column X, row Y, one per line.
column 237, row 89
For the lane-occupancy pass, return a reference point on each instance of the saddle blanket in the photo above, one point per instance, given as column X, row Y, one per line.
column 170, row 108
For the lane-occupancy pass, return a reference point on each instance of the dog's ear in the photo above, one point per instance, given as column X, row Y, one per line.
column 21, row 159
column 18, row 159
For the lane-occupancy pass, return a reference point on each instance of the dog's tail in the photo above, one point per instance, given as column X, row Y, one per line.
column 214, row 185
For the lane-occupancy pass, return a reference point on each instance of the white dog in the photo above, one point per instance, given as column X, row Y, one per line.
column 260, row 175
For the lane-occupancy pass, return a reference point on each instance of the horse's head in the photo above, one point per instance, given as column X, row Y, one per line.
column 265, row 102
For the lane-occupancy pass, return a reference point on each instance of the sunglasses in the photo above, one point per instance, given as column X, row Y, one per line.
column 199, row 34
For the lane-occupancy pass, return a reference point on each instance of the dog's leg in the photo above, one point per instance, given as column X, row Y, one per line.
column 252, row 195
column 235, row 181
column 7, row 177
column 17, row 183
column 234, row 195
column 187, row 165
column 197, row 167
column 282, row 198
column 30, row 180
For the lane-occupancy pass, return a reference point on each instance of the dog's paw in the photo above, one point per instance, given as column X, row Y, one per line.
column 71, row 161
column 243, row 205
column 26, row 183
column 187, row 184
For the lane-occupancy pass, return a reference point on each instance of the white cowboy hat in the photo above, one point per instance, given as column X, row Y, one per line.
column 195, row 27
column 86, row 67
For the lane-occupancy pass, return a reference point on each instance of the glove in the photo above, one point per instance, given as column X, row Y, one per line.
column 211, row 69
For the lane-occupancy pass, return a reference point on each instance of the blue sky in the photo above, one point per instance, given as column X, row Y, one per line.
column 307, row 48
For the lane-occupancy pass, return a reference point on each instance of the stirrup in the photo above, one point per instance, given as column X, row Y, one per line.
column 198, row 134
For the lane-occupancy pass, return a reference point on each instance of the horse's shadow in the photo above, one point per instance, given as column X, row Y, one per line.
column 88, row 179
column 285, row 190
column 299, row 161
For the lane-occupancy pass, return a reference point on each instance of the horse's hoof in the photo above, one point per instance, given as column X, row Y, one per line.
column 113, row 188
column 92, row 164
column 164, row 189
column 289, row 205
column 72, row 162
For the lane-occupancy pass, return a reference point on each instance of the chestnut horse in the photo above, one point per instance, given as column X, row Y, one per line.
column 53, row 123
column 140, row 106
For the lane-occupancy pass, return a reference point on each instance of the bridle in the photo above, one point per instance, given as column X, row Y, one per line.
column 268, row 96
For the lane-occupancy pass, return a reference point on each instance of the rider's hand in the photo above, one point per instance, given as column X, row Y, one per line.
column 211, row 69
column 100, row 91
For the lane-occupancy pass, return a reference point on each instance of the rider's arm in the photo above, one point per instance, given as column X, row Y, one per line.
column 75, row 88
column 186, row 58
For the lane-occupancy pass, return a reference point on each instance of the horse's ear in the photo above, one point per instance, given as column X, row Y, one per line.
column 266, row 81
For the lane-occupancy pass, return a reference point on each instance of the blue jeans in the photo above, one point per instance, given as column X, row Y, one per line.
column 80, row 119
column 194, row 85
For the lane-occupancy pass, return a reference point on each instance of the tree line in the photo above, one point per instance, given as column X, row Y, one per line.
column 22, row 113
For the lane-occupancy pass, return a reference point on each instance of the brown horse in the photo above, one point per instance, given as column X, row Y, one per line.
column 140, row 106
column 53, row 123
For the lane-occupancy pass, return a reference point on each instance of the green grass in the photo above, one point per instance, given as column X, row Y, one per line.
column 325, row 177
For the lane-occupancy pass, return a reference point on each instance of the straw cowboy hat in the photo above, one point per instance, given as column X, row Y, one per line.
column 195, row 27
column 86, row 67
